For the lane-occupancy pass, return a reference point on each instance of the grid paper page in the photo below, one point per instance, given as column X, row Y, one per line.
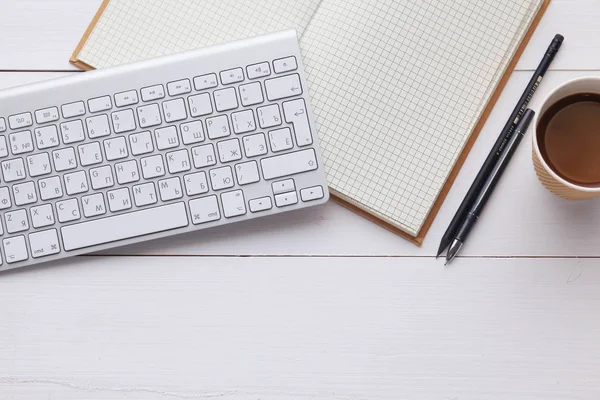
column 133, row 30
column 398, row 87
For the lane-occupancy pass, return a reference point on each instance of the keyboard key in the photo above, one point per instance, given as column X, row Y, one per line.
column 127, row 172
column 166, row 138
column 24, row 193
column 137, row 223
column 93, row 205
column 126, row 98
column 283, row 186
column 281, row 139
column 4, row 198
column 225, row 99
column 205, row 209
column 174, row 110
column 153, row 93
column 217, row 127
column 3, row 147
column 234, row 204
column 192, row 132
column 179, row 87
column 42, row 216
column 203, row 156
column 13, row 170
column 285, row 64
column 152, row 166
column 2, row 125
column 289, row 164
column 178, row 161
column 15, row 249
column 46, row 137
column 141, row 143
column 229, row 150
column 101, row 177
column 243, row 121
column 221, row 178
column 64, row 159
column 280, row 88
column 207, row 81
column 149, row 115
column 116, row 148
column 98, row 126
column 20, row 142
column 123, row 121
column 269, row 116
column 311, row 193
column 50, row 188
column 72, row 131
column 247, row 173
column 170, row 189
column 99, row 104
column 195, row 183
column 258, row 70
column 20, row 120
column 67, row 210
column 119, row 200
column 47, row 115
column 44, row 243
column 90, row 154
column 200, row 105
column 76, row 183
column 255, row 145
column 73, row 109
column 144, row 194
column 232, row 76
column 295, row 113
column 260, row 204
column 286, row 199
column 38, row 164
column 251, row 94
column 16, row 221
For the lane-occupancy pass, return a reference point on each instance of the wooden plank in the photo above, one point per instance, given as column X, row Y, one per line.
column 521, row 219
column 42, row 34
column 297, row 328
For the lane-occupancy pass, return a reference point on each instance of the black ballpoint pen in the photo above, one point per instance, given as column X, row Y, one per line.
column 489, row 185
column 505, row 134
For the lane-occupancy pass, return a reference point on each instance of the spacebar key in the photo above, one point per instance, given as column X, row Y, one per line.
column 289, row 164
column 124, row 226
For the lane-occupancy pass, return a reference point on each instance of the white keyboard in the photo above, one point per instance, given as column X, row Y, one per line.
column 156, row 148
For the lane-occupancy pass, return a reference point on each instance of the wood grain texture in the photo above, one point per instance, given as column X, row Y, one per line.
column 308, row 328
column 298, row 328
column 521, row 219
column 42, row 34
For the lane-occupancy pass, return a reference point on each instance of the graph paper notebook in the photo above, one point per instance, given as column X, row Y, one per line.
column 400, row 88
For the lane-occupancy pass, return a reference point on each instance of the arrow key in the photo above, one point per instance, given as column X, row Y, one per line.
column 15, row 249
column 311, row 193
column 286, row 199
column 260, row 204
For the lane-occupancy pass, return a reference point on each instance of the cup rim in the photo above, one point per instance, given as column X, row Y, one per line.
column 536, row 147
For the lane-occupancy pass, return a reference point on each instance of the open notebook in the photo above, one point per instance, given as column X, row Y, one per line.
column 400, row 88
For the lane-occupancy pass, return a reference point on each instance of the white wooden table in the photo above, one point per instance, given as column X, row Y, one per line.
column 318, row 304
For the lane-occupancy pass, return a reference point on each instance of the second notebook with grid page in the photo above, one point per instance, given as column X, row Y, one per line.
column 398, row 87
